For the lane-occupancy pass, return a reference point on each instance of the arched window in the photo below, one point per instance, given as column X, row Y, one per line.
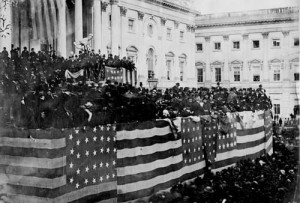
column 150, row 62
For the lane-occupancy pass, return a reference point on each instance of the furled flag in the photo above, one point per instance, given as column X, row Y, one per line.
column 59, row 165
column 149, row 159
column 268, row 132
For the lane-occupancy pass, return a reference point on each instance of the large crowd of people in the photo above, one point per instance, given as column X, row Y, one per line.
column 268, row 179
column 38, row 95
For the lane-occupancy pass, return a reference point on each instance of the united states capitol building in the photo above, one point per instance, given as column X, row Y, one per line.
column 171, row 42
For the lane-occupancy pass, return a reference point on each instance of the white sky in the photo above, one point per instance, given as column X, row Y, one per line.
column 218, row 6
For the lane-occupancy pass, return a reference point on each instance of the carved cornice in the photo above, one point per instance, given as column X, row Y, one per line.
column 123, row 11
column 163, row 21
column 104, row 6
column 140, row 15
column 242, row 23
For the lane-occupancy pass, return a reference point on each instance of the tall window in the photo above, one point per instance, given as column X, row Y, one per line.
column 199, row 47
column 130, row 24
column 296, row 76
column 277, row 109
column 181, row 35
column 169, row 33
column 236, row 45
column 150, row 62
column 276, row 75
column 218, row 74
column 200, row 75
column 296, row 42
column 276, row 43
column 255, row 44
column 237, row 75
column 168, row 69
column 181, row 66
column 217, row 45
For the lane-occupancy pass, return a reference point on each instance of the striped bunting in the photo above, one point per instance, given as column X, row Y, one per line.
column 35, row 166
column 149, row 159
column 124, row 162
column 246, row 140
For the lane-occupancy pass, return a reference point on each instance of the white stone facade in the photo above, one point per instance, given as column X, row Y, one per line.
column 134, row 28
column 229, row 43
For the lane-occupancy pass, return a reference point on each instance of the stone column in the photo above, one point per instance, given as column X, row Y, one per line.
column 115, row 27
column 78, row 22
column 226, row 71
column 6, row 39
column 62, row 28
column 97, row 25
column 266, row 61
column 208, row 72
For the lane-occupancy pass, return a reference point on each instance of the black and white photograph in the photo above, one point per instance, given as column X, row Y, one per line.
column 149, row 101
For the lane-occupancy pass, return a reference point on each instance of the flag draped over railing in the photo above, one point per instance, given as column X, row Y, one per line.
column 124, row 162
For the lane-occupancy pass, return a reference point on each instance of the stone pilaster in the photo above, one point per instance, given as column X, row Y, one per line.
column 78, row 21
column 97, row 25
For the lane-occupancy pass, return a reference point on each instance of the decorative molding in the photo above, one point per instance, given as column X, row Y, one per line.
column 265, row 35
column 217, row 64
column 286, row 33
column 123, row 11
column 225, row 37
column 255, row 61
column 114, row 2
column 104, row 6
column 236, row 63
column 242, row 23
column 245, row 36
column 140, row 15
column 207, row 39
column 200, row 65
column 176, row 24
column 276, row 61
column 163, row 21
column 294, row 61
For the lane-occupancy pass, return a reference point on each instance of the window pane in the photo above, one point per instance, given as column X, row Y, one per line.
column 256, row 78
column 255, row 43
column 296, row 41
column 218, row 74
column 199, row 47
column 236, row 45
column 296, row 76
column 200, row 75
